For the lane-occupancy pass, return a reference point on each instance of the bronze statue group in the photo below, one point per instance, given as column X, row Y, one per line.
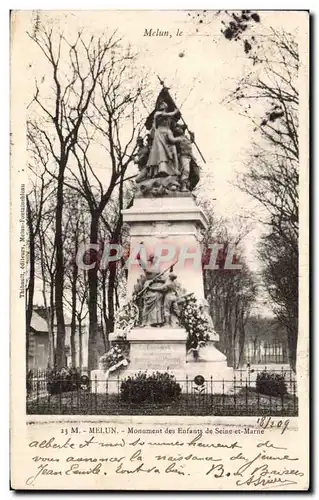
column 165, row 159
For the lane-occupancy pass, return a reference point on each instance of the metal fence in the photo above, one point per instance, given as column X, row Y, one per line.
column 245, row 394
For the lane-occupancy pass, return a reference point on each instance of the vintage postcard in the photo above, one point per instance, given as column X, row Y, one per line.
column 159, row 250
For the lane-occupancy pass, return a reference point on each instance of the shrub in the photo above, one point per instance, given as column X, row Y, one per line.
column 155, row 388
column 271, row 384
column 65, row 380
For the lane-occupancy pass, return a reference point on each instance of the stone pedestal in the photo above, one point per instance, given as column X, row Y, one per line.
column 151, row 350
column 164, row 350
column 173, row 220
column 176, row 221
column 212, row 365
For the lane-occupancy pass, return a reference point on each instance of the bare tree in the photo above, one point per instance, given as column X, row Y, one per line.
column 76, row 221
column 46, row 261
column 231, row 294
column 76, row 67
column 114, row 122
column 272, row 176
column 42, row 189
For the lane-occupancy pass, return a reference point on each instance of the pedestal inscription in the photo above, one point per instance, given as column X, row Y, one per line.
column 157, row 356
column 160, row 349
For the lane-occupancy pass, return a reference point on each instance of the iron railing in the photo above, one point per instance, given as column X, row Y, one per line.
column 242, row 395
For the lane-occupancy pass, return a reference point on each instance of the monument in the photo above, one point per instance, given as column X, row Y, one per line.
column 166, row 321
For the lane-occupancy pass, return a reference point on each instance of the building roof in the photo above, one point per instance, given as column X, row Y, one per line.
column 40, row 310
column 37, row 323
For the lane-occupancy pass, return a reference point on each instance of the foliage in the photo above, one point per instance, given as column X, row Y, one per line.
column 193, row 319
column 271, row 384
column 155, row 388
column 66, row 379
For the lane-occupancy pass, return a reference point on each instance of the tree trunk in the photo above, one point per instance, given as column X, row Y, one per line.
column 80, row 343
column 104, row 308
column 73, row 314
column 51, row 349
column 235, row 334
column 292, row 336
column 102, row 330
column 93, row 354
column 110, row 298
column 59, row 273
column 241, row 339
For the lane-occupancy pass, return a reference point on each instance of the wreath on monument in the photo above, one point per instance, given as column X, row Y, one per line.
column 195, row 321
column 113, row 359
column 192, row 317
column 126, row 318
column 117, row 356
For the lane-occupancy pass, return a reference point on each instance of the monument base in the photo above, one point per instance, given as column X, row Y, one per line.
column 157, row 349
column 211, row 364
column 164, row 350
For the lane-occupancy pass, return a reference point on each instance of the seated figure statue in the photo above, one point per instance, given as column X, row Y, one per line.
column 156, row 295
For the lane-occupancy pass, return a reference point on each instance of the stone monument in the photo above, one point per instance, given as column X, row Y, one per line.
column 165, row 233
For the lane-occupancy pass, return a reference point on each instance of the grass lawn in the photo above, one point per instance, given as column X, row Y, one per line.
column 86, row 403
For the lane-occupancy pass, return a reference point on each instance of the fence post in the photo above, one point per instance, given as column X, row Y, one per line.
column 152, row 393
column 246, row 395
column 46, row 389
column 212, row 393
column 95, row 392
column 71, row 388
column 283, row 375
column 78, row 391
column 187, row 392
column 107, row 392
column 37, row 390
column 90, row 393
column 235, row 397
column 206, row 393
column 291, row 385
column 60, row 386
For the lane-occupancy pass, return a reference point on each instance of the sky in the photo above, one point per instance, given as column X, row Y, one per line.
column 200, row 67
